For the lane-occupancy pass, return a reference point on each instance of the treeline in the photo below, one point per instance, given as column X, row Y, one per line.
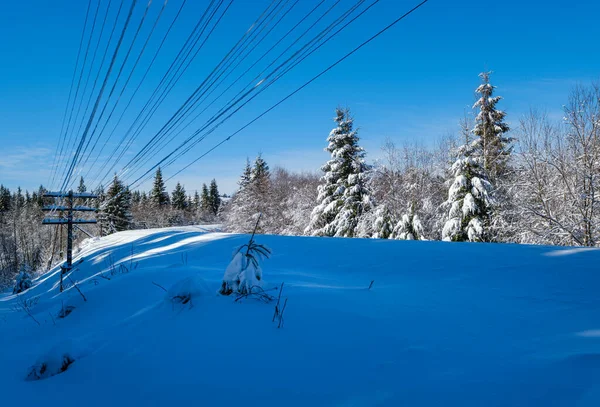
column 535, row 182
column 26, row 244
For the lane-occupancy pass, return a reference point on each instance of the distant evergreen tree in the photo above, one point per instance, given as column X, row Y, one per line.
column 343, row 197
column 101, row 196
column 136, row 197
column 81, row 188
column 40, row 196
column 196, row 202
column 5, row 199
column 260, row 171
column 158, row 195
column 116, row 209
column 205, row 200
column 178, row 197
column 491, row 129
column 246, row 177
column 214, row 198
column 18, row 198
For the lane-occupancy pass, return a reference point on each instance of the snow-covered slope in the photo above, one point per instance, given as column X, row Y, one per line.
column 444, row 324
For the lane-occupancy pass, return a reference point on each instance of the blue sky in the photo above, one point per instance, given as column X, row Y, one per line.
column 412, row 83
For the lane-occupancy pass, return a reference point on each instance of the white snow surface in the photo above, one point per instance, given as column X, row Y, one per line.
column 452, row 324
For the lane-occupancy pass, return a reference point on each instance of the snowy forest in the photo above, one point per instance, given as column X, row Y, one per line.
column 527, row 180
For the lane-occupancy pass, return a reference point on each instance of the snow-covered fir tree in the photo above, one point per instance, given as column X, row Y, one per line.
column 343, row 197
column 178, row 197
column 115, row 213
column 470, row 199
column 491, row 129
column 159, row 195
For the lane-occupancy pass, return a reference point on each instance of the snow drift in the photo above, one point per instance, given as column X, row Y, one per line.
column 453, row 324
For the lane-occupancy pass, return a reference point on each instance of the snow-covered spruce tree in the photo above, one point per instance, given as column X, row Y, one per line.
column 116, row 209
column 252, row 198
column 246, row 177
column 409, row 227
column 384, row 224
column 343, row 197
column 178, row 198
column 470, row 199
column 491, row 129
column 158, row 195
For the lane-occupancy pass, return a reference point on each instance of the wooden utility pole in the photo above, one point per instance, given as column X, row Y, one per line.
column 69, row 208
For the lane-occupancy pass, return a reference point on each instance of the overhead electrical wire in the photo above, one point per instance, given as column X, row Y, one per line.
column 115, row 25
column 212, row 87
column 314, row 78
column 85, row 160
column 166, row 90
column 61, row 139
column 183, row 116
column 70, row 133
column 240, row 42
column 97, row 103
column 224, row 110
column 136, row 90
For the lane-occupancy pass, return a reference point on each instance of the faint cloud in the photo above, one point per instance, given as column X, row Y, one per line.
column 23, row 157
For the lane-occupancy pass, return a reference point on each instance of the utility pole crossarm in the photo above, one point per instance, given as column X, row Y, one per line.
column 83, row 195
column 66, row 208
column 61, row 221
column 69, row 208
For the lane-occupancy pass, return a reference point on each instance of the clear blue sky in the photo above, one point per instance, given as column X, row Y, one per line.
column 412, row 83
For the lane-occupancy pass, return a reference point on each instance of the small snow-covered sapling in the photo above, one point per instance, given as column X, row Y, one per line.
column 244, row 272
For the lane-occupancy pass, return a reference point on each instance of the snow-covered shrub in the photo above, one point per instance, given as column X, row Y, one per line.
column 23, row 281
column 54, row 362
column 186, row 290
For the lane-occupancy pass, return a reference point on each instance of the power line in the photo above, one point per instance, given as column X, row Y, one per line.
column 124, row 85
column 330, row 67
column 135, row 92
column 89, row 42
column 171, row 83
column 323, row 72
column 61, row 137
column 259, row 21
column 99, row 70
column 300, row 58
column 221, row 112
column 93, row 113
column 213, row 85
